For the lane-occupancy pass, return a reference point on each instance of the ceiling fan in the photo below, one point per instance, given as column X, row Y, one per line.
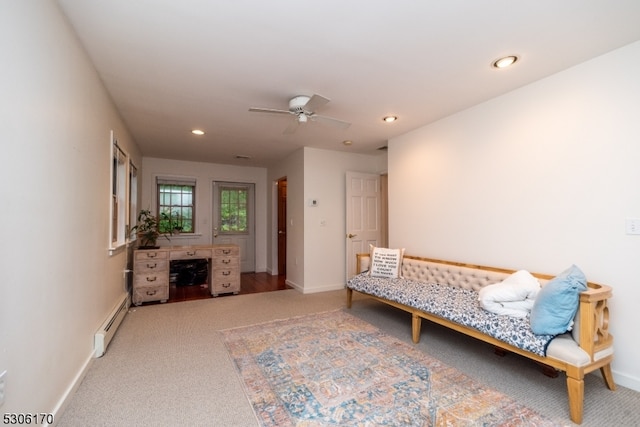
column 303, row 108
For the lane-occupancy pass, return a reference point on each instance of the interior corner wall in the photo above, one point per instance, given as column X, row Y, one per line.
column 292, row 168
column 59, row 282
column 325, row 266
column 540, row 178
column 205, row 174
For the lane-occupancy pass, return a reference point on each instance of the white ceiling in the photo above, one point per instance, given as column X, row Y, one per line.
column 175, row 65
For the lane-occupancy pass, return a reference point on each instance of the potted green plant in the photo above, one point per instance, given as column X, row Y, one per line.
column 147, row 229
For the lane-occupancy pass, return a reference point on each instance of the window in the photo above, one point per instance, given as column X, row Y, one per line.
column 118, row 195
column 133, row 197
column 233, row 210
column 176, row 202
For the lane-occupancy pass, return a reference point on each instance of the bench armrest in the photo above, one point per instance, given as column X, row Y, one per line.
column 594, row 319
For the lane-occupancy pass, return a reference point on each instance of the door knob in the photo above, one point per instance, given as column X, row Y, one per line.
column 280, row 232
column 351, row 236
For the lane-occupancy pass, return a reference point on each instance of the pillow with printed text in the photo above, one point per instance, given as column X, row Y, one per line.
column 385, row 262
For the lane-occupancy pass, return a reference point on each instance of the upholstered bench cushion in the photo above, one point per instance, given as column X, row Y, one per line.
column 455, row 304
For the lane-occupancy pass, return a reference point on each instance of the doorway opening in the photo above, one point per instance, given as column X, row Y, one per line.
column 282, row 226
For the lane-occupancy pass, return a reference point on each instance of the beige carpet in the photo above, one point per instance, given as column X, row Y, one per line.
column 168, row 365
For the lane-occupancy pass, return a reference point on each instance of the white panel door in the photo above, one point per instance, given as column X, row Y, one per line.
column 233, row 219
column 363, row 216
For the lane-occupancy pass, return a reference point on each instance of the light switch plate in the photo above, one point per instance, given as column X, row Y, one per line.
column 632, row 225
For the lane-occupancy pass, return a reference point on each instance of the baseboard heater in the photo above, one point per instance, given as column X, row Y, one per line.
column 108, row 329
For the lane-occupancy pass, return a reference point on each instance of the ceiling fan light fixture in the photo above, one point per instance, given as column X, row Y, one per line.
column 504, row 62
column 389, row 119
column 303, row 108
column 197, row 132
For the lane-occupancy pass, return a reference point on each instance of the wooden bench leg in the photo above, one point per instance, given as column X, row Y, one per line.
column 416, row 323
column 608, row 376
column 349, row 297
column 575, row 389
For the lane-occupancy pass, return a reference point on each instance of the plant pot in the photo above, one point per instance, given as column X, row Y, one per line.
column 148, row 240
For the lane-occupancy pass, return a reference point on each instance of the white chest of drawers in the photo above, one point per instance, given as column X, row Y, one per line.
column 151, row 268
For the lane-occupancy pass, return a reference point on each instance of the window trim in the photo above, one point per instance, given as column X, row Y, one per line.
column 118, row 194
column 132, row 201
column 123, row 174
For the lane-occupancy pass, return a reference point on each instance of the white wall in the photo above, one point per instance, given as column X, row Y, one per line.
column 539, row 178
column 316, row 174
column 325, row 245
column 291, row 168
column 205, row 174
column 58, row 281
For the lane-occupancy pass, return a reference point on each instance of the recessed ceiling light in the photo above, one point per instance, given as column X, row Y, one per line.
column 504, row 62
column 347, row 142
column 243, row 157
column 390, row 119
column 197, row 132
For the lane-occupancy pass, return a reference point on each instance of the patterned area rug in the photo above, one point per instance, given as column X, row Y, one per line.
column 333, row 369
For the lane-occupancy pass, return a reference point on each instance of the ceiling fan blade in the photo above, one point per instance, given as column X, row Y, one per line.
column 315, row 102
column 293, row 126
column 330, row 121
column 269, row 110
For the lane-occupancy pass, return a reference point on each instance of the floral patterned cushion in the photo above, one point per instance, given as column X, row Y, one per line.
column 454, row 304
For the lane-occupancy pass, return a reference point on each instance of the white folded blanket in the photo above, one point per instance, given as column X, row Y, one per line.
column 514, row 296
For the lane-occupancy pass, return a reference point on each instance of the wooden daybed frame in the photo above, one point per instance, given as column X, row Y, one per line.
column 593, row 317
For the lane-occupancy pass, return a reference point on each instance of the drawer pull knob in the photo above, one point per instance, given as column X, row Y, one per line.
column 151, row 279
column 226, row 273
column 226, row 261
column 152, row 254
column 226, row 251
column 152, row 265
column 151, row 293
column 191, row 253
column 226, row 285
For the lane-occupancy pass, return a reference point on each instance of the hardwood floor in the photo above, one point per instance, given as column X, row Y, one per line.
column 250, row 283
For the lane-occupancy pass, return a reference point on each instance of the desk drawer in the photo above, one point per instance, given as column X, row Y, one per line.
column 151, row 266
column 151, row 279
column 191, row 254
column 226, row 251
column 144, row 255
column 225, row 274
column 225, row 287
column 225, row 280
column 150, row 293
column 225, row 262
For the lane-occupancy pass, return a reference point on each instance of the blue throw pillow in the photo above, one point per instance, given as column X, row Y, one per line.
column 557, row 302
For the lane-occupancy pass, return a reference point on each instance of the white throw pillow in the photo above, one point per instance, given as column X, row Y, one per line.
column 385, row 262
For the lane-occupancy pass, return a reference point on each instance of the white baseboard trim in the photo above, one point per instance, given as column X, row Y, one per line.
column 626, row 380
column 326, row 288
column 70, row 391
column 307, row 290
column 294, row 285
